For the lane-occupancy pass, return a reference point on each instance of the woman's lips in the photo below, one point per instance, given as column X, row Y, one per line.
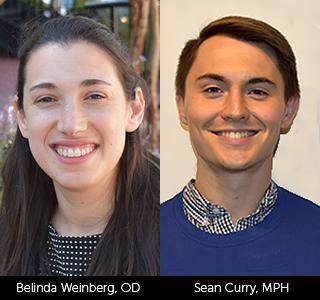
column 73, row 151
column 67, row 151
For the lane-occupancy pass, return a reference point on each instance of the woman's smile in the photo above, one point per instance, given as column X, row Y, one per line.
column 74, row 151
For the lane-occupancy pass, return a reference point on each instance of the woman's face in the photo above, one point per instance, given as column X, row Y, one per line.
column 76, row 114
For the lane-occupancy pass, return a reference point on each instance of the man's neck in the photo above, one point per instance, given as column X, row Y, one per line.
column 240, row 193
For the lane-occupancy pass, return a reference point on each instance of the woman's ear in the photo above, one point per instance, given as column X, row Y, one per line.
column 136, row 111
column 21, row 119
column 291, row 110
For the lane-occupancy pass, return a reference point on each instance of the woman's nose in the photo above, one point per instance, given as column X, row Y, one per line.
column 72, row 120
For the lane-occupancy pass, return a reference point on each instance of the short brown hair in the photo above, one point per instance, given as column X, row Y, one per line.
column 248, row 30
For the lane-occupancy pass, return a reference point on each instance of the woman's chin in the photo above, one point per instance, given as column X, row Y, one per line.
column 74, row 182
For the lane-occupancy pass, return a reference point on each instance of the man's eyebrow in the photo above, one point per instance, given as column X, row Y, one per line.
column 261, row 80
column 89, row 82
column 86, row 82
column 43, row 85
column 254, row 80
column 211, row 76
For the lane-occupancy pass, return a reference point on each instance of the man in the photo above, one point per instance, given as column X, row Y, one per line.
column 236, row 92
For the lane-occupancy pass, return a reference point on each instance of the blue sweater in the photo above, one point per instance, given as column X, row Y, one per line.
column 287, row 242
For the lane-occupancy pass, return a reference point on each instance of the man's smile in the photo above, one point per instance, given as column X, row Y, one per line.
column 235, row 133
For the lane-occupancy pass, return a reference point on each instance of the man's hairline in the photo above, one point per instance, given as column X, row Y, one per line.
column 264, row 46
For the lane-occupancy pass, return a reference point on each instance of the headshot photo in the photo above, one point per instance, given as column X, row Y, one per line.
column 238, row 196
column 80, row 186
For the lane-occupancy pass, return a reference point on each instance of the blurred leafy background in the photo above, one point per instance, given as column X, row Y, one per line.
column 135, row 21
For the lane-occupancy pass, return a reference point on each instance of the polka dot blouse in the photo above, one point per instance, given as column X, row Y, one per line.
column 70, row 255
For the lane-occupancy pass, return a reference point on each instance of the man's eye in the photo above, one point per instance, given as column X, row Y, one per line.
column 213, row 90
column 258, row 92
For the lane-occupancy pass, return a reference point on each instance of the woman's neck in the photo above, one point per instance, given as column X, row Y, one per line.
column 83, row 212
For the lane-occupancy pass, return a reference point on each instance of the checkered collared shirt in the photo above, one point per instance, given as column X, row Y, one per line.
column 215, row 219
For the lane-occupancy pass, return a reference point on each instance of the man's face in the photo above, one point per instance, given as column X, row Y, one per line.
column 234, row 106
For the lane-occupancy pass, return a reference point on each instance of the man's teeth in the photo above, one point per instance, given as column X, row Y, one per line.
column 74, row 152
column 236, row 134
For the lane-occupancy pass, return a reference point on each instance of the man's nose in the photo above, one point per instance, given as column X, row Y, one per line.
column 72, row 119
column 235, row 107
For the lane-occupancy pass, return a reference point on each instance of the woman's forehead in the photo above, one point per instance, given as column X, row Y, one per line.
column 73, row 61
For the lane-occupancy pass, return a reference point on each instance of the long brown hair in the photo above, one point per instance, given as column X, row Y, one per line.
column 130, row 242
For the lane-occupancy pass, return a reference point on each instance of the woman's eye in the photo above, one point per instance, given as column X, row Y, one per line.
column 45, row 99
column 95, row 97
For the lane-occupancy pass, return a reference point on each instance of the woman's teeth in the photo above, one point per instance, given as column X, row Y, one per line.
column 74, row 151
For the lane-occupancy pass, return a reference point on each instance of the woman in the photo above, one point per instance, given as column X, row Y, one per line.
column 81, row 195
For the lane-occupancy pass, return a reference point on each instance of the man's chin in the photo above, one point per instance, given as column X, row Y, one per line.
column 233, row 166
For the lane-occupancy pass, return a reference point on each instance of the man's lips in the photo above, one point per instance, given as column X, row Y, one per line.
column 235, row 133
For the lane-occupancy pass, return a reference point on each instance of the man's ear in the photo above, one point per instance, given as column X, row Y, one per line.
column 21, row 118
column 181, row 110
column 291, row 110
column 136, row 111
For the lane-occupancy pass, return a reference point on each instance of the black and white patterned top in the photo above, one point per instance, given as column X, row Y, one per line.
column 70, row 255
column 216, row 219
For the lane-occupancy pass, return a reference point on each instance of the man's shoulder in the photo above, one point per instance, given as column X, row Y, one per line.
column 169, row 203
column 298, row 199
column 300, row 206
column 169, row 210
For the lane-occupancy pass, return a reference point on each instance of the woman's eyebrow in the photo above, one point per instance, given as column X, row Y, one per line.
column 86, row 82
column 43, row 85
column 89, row 82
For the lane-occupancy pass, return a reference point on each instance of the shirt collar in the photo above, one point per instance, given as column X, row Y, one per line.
column 215, row 218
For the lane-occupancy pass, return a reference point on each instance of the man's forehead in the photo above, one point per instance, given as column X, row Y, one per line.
column 226, row 52
column 218, row 42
